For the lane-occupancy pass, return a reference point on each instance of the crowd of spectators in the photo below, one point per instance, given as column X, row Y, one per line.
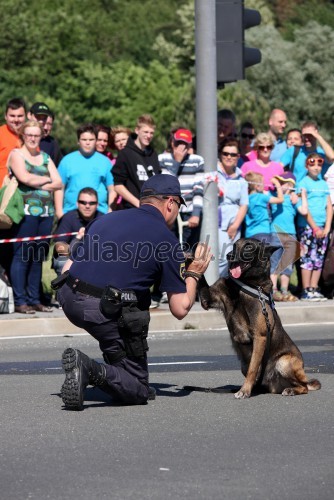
column 272, row 186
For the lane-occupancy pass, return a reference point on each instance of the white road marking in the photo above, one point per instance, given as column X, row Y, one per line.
column 159, row 332
column 161, row 364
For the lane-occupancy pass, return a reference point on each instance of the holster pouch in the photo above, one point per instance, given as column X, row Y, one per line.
column 111, row 301
column 133, row 328
column 58, row 282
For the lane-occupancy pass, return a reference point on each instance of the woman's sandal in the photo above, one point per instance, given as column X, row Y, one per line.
column 24, row 309
column 288, row 297
column 277, row 296
column 41, row 308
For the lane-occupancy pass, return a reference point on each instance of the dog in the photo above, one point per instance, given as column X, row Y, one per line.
column 269, row 358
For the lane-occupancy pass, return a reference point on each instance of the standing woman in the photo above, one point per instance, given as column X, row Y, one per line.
column 263, row 146
column 119, row 137
column 232, row 201
column 38, row 177
column 103, row 140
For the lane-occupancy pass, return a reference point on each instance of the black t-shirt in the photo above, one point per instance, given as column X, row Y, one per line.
column 134, row 166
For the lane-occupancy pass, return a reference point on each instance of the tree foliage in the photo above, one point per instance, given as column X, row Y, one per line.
column 110, row 61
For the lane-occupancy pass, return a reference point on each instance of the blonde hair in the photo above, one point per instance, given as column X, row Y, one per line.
column 27, row 124
column 263, row 137
column 145, row 120
column 253, row 178
column 118, row 130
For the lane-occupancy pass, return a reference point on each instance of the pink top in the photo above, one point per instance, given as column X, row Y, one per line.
column 273, row 168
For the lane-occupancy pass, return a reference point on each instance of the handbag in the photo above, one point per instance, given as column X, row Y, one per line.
column 11, row 203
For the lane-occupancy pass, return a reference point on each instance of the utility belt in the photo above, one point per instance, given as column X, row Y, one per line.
column 119, row 305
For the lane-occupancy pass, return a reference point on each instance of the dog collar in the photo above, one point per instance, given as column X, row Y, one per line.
column 257, row 293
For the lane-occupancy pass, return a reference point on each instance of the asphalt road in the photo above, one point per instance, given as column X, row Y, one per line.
column 183, row 445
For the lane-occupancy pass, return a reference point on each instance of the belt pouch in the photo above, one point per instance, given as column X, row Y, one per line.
column 133, row 328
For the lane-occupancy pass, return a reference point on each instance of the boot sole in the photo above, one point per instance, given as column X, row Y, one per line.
column 71, row 392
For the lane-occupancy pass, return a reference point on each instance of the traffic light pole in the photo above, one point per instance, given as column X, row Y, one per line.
column 206, row 119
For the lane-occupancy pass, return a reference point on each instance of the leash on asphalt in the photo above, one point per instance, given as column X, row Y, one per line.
column 218, row 390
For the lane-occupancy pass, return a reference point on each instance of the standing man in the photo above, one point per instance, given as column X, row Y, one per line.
column 74, row 221
column 313, row 143
column 226, row 123
column 277, row 125
column 107, row 292
column 136, row 162
column 43, row 114
column 189, row 169
column 15, row 116
column 82, row 168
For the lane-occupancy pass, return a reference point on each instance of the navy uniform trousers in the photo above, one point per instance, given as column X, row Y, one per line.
column 127, row 380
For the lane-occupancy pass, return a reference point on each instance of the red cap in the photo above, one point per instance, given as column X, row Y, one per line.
column 183, row 135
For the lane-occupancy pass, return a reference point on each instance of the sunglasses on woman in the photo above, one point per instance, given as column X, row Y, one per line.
column 262, row 148
column 232, row 155
column 313, row 161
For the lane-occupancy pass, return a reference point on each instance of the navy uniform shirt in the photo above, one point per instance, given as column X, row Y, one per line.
column 71, row 222
column 131, row 249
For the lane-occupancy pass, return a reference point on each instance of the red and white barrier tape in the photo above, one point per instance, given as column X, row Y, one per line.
column 33, row 238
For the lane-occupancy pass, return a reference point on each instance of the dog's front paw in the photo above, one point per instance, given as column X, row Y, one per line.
column 289, row 391
column 205, row 304
column 242, row 394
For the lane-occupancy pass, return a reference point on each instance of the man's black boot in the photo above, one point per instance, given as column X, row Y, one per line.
column 80, row 371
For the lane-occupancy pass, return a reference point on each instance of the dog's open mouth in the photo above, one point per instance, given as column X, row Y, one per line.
column 236, row 270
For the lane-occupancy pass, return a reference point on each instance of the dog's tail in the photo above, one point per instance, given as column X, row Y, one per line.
column 313, row 385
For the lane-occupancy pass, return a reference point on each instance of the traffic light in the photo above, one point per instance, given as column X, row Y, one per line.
column 232, row 19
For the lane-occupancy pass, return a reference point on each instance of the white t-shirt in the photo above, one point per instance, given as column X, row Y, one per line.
column 329, row 178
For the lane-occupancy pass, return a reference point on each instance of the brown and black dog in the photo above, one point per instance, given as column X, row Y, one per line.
column 268, row 356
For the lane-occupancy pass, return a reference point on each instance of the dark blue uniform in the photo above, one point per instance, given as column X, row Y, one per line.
column 130, row 250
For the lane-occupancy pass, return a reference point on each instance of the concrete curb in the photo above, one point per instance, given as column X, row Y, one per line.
column 161, row 320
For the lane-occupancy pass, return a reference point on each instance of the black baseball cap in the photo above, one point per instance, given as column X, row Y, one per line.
column 162, row 185
column 40, row 108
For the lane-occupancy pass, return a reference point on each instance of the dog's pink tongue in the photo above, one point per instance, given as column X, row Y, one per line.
column 236, row 272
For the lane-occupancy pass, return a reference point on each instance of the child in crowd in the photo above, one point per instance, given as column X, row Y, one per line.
column 283, row 234
column 313, row 228
column 257, row 219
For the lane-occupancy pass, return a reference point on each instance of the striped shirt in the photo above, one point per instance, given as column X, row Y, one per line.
column 190, row 173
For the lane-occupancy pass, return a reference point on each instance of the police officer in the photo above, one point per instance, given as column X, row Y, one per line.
column 106, row 291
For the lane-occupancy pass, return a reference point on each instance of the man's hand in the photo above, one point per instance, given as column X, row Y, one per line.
column 81, row 233
column 179, row 152
column 201, row 260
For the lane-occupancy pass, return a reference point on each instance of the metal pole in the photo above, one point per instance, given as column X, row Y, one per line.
column 206, row 119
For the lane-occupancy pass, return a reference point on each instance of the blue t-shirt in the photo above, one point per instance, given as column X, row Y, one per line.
column 257, row 217
column 283, row 216
column 279, row 149
column 317, row 196
column 299, row 169
column 131, row 249
column 78, row 171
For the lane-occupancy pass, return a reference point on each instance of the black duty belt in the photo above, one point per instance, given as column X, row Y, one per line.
column 81, row 286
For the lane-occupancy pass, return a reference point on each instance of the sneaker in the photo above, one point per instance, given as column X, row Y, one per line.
column 154, row 304
column 164, row 298
column 307, row 295
column 318, row 295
